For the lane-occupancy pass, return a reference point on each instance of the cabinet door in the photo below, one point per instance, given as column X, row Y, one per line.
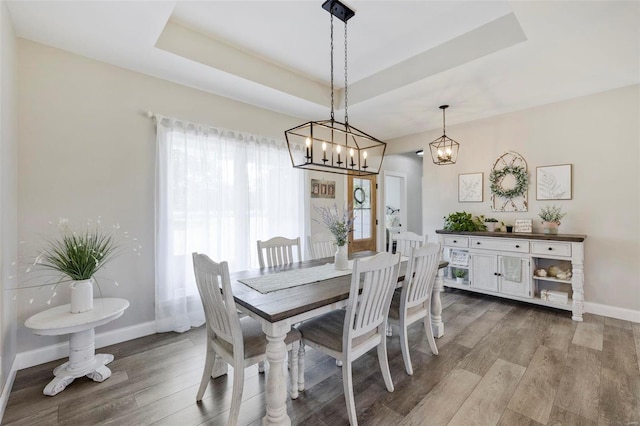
column 515, row 276
column 484, row 272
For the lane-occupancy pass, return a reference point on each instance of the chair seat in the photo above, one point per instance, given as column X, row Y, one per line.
column 394, row 309
column 327, row 330
column 255, row 341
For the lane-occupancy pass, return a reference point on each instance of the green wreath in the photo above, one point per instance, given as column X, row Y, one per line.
column 518, row 172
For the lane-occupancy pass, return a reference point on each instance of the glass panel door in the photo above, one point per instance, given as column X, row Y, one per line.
column 362, row 197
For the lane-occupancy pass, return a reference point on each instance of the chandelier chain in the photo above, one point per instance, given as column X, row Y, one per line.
column 331, row 14
column 444, row 131
column 346, row 85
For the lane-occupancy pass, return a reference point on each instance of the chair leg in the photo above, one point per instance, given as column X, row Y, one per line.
column 261, row 367
column 347, row 382
column 389, row 330
column 384, row 364
column 429, row 329
column 293, row 372
column 236, row 398
column 301, row 367
column 208, row 368
column 404, row 345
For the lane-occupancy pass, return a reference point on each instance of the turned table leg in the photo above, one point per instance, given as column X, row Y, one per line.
column 436, row 305
column 276, row 392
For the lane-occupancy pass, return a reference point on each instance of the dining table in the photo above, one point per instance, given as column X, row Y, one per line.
column 281, row 306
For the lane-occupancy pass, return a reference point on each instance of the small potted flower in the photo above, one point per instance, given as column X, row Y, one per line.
column 491, row 224
column 551, row 216
column 459, row 274
column 339, row 224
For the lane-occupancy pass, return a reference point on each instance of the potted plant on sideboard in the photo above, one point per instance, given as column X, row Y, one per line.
column 551, row 216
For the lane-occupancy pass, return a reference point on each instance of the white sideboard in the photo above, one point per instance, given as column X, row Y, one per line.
column 504, row 264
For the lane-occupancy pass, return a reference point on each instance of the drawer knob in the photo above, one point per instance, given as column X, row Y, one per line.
column 550, row 248
column 517, row 246
column 495, row 273
column 455, row 241
column 478, row 243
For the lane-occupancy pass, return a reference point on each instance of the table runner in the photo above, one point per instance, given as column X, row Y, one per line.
column 295, row 277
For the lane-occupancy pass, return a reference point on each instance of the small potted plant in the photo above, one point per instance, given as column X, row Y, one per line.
column 463, row 221
column 551, row 216
column 491, row 224
column 459, row 274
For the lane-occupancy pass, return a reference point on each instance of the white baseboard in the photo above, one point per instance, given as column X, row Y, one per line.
column 612, row 312
column 61, row 350
column 6, row 389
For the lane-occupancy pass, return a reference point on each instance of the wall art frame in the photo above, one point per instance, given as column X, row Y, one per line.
column 471, row 187
column 323, row 188
column 554, row 182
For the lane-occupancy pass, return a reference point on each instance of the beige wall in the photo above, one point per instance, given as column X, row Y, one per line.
column 8, row 193
column 600, row 136
column 87, row 150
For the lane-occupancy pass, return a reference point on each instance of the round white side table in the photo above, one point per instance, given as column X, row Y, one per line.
column 83, row 360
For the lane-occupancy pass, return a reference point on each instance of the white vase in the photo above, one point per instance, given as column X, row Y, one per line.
column 81, row 296
column 341, row 259
column 550, row 227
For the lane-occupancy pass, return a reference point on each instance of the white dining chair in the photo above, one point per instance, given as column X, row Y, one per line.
column 322, row 245
column 405, row 241
column 413, row 302
column 348, row 334
column 238, row 341
column 279, row 251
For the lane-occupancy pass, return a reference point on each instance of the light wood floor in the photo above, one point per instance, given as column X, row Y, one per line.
column 500, row 362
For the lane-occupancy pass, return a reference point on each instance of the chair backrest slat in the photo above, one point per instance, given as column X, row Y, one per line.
column 214, row 286
column 369, row 309
column 421, row 275
column 405, row 241
column 278, row 251
column 321, row 245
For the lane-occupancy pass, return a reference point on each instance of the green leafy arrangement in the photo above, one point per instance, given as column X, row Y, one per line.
column 339, row 224
column 551, row 214
column 459, row 273
column 518, row 172
column 463, row 221
column 78, row 255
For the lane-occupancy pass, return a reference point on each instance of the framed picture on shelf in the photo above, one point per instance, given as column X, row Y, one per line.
column 523, row 225
column 459, row 258
column 470, row 188
column 554, row 182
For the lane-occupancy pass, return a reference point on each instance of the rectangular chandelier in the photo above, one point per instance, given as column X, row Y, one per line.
column 334, row 147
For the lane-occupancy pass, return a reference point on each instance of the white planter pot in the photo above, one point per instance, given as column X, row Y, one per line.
column 491, row 226
column 81, row 296
column 460, row 280
column 341, row 259
column 550, row 227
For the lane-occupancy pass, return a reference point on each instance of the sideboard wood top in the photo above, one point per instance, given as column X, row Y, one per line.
column 574, row 238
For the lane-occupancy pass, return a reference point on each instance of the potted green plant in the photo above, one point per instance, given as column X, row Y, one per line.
column 75, row 257
column 491, row 224
column 551, row 216
column 463, row 221
column 459, row 274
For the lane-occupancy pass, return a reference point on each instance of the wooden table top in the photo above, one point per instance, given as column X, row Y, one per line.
column 282, row 304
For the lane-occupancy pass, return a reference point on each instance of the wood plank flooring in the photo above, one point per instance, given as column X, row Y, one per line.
column 500, row 363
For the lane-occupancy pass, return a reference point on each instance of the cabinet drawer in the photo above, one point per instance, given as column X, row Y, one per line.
column 456, row 241
column 551, row 248
column 518, row 246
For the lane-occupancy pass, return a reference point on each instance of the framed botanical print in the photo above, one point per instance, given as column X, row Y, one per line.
column 554, row 182
column 470, row 188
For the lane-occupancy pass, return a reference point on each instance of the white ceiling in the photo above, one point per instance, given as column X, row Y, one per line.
column 405, row 57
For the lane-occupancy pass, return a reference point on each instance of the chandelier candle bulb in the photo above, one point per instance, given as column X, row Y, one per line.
column 324, row 152
column 364, row 155
column 338, row 149
column 308, row 143
column 351, row 154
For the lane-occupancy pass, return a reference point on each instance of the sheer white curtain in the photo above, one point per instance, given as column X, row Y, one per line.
column 218, row 192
